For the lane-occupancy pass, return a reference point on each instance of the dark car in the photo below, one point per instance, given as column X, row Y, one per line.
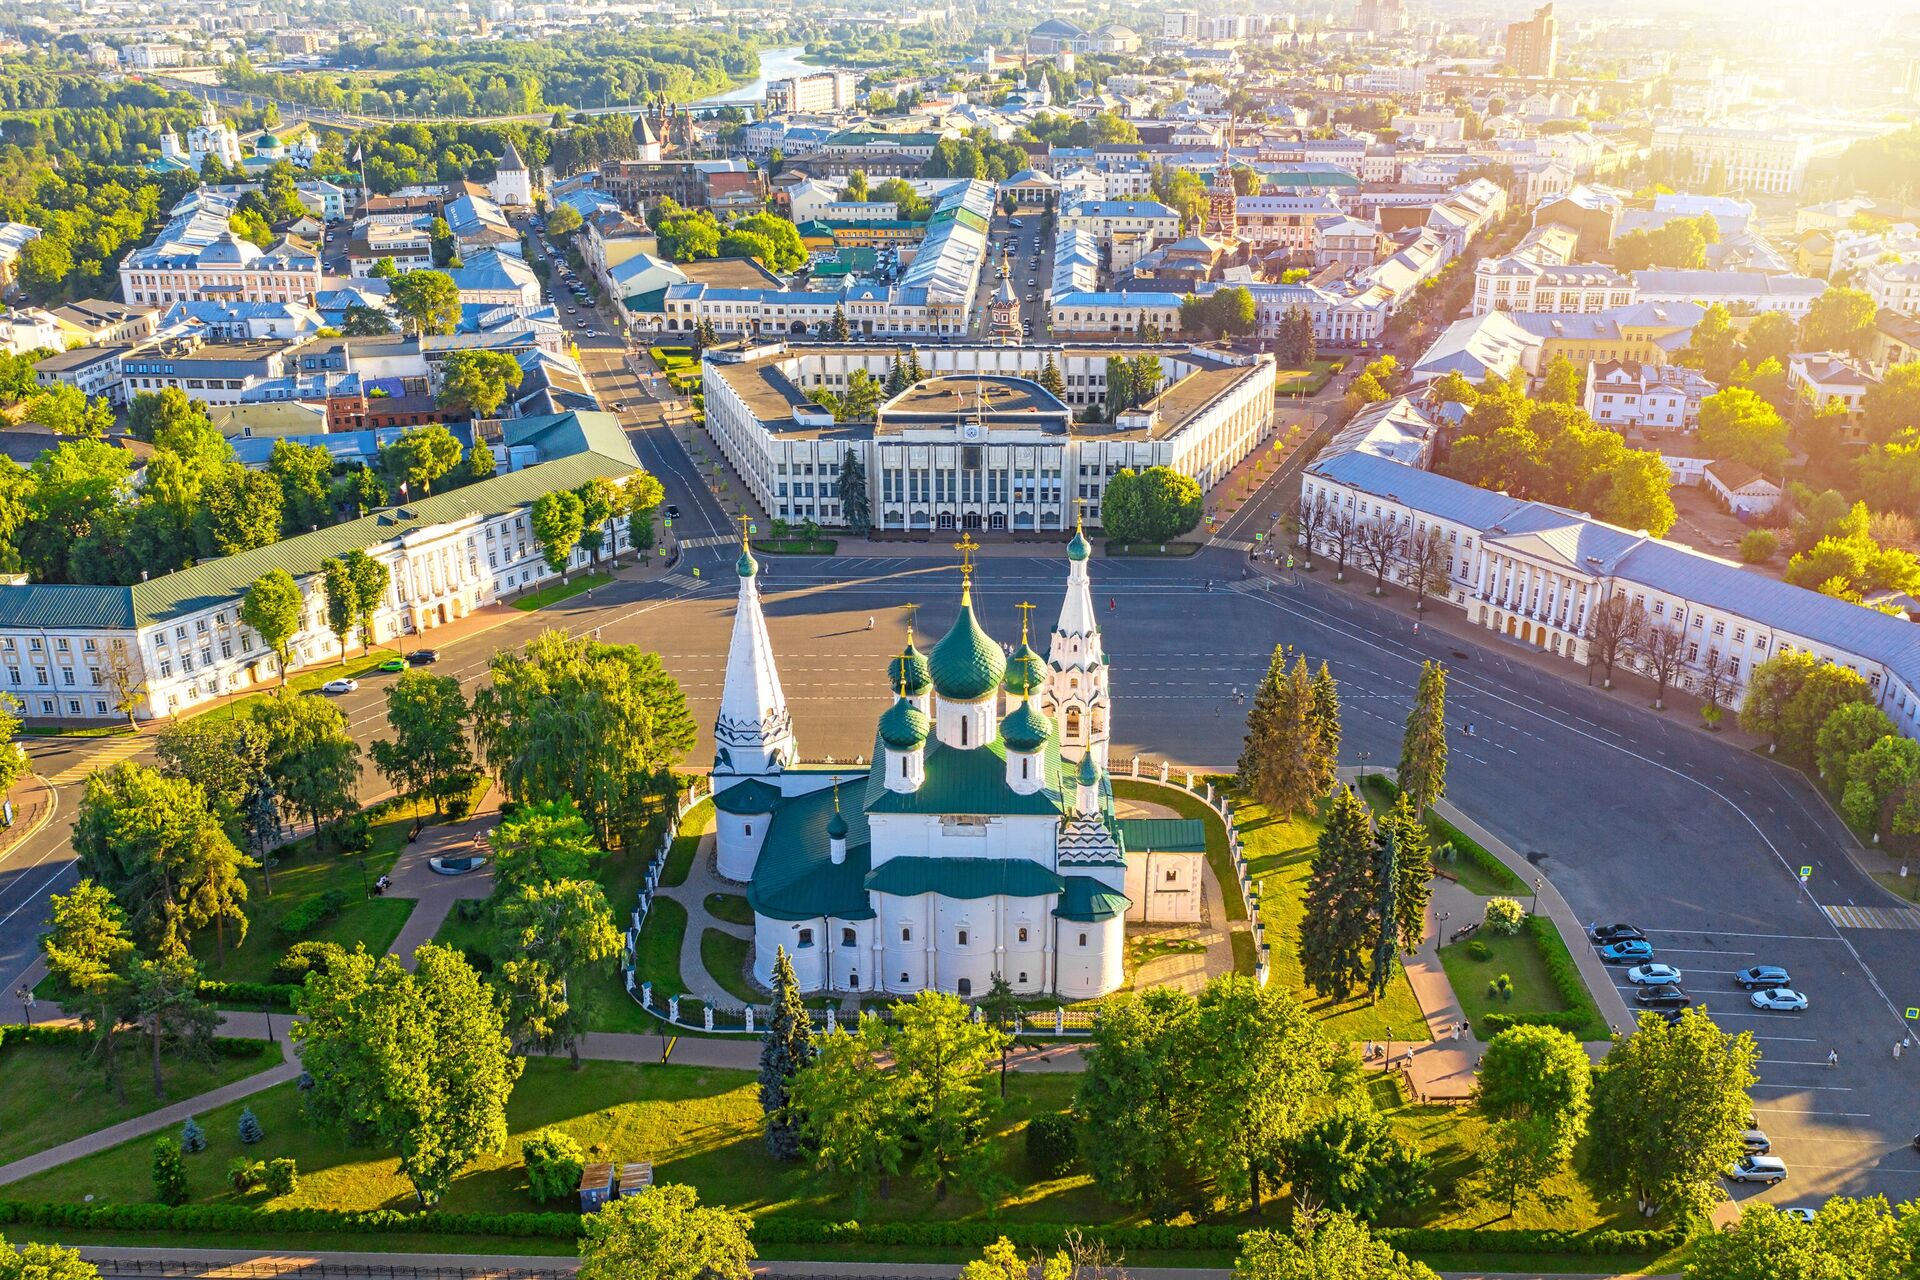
column 1763, row 975
column 423, row 657
column 1602, row 934
column 673, row 511
column 1663, row 998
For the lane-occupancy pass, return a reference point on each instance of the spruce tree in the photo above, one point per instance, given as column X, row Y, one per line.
column 250, row 1130
column 915, row 373
column 1337, row 928
column 896, row 378
column 855, row 512
column 1261, row 718
column 1423, row 748
column 1413, row 858
column 1050, row 379
column 1382, row 922
column 192, row 1137
column 1292, row 774
column 1325, row 717
column 787, row 1050
column 842, row 331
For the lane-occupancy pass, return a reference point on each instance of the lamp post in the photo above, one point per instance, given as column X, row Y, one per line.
column 1537, row 881
column 26, row 1001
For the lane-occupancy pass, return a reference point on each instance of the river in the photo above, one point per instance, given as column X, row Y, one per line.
column 775, row 64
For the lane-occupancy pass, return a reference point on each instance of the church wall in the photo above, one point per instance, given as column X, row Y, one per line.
column 803, row 941
column 1165, row 888
column 737, row 839
column 966, row 724
column 1095, row 966
column 918, row 835
column 941, row 943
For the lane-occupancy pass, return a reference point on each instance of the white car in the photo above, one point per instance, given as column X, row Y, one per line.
column 1799, row 1213
column 1779, row 998
column 1653, row 975
column 341, row 685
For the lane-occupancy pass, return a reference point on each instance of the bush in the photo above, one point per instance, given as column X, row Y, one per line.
column 459, row 795
column 169, row 1173
column 554, row 1161
column 1051, row 1144
column 1504, row 916
column 1478, row 950
column 303, row 958
column 250, row 1130
column 245, row 1175
column 1759, row 546
column 1445, row 833
column 193, row 1139
column 313, row 913
column 283, row 1175
column 1566, row 978
column 278, row 994
column 352, row 835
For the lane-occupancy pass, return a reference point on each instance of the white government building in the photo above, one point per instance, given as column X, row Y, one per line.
column 978, row 444
column 971, row 845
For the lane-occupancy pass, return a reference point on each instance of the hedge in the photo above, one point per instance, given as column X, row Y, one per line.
column 18, row 1033
column 1571, row 1021
column 313, row 913
column 1565, row 973
column 278, row 994
column 1469, row 848
column 787, row 1230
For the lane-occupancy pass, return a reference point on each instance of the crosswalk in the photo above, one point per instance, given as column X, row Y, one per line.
column 1873, row 917
column 1231, row 544
column 108, row 756
column 717, row 540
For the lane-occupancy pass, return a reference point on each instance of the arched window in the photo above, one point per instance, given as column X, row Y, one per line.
column 963, row 731
column 749, row 828
column 1083, row 939
column 846, row 937
column 960, row 939
column 906, row 934
column 806, row 938
column 903, row 772
column 1073, row 724
column 965, row 987
column 1024, row 765
column 1023, row 936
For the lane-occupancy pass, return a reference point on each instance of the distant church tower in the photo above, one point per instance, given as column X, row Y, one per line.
column 1077, row 695
column 753, row 737
column 512, row 182
column 1222, row 201
column 1003, row 309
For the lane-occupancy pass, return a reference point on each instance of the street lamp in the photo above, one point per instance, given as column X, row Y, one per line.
column 26, row 1001
column 1537, row 881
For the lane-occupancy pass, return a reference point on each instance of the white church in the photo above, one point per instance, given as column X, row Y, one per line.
column 970, row 846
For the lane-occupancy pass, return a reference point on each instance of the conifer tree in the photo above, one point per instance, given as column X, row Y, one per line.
column 1294, row 782
column 193, row 1138
column 1050, row 379
column 786, row 1051
column 896, row 378
column 1261, row 718
column 1325, row 717
column 841, row 330
column 1383, row 921
column 1423, row 748
column 1413, row 859
column 1337, row 929
column 250, row 1130
column 915, row 373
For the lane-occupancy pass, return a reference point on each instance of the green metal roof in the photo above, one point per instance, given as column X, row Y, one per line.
column 966, row 664
column 795, row 879
column 1026, row 672
column 750, row 797
column 1089, row 770
column 560, row 435
column 65, row 606
column 903, row 726
column 1026, row 728
column 1087, row 901
column 971, row 781
column 1079, row 548
column 911, row 668
column 1163, row 835
column 964, row 878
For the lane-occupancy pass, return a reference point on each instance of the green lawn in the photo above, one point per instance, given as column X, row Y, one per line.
column 1519, row 956
column 90, row 731
column 697, row 823
column 725, row 959
column 49, row 1095
column 657, row 958
column 1310, row 381
column 1279, row 854
column 467, row 930
column 561, row 591
column 796, row 546
column 300, row 874
column 730, row 907
column 358, row 666
column 1219, row 857
column 1471, row 866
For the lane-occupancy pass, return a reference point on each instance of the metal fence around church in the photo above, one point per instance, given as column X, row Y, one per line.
column 692, row 1013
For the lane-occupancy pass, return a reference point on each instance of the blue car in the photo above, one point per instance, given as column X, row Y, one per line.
column 1763, row 975
column 1631, row 951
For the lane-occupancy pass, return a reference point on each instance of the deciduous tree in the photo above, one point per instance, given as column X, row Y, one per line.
column 272, row 606
column 666, row 1234
column 853, row 1114
column 312, row 762
column 553, row 938
column 428, row 754
column 1323, row 1247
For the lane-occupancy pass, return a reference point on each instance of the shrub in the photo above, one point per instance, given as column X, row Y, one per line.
column 1504, row 916
column 279, row 995
column 245, row 1175
column 283, row 1175
column 1051, row 1144
column 313, row 913
column 169, row 1173
column 193, row 1139
column 1478, row 950
column 459, row 795
column 1759, row 546
column 554, row 1162
column 303, row 958
column 352, row 835
column 250, row 1130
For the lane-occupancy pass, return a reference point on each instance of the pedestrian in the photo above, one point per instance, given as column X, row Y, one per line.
column 1833, row 1057
column 1416, row 628
column 1898, row 1045
column 1469, row 728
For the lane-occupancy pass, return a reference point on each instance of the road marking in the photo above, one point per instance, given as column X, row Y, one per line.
column 1776, row 937
column 1811, row 1088
column 1801, row 1111
column 1705, row 951
column 1794, row 1062
column 120, row 749
column 1851, row 917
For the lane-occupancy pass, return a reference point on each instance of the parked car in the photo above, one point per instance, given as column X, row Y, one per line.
column 673, row 511
column 1755, row 1143
column 1654, row 975
column 423, row 657
column 341, row 685
column 1602, row 934
column 1663, row 998
column 393, row 664
column 1799, row 1212
column 1783, row 998
column 1762, row 975
column 1628, row 952
column 1767, row 1169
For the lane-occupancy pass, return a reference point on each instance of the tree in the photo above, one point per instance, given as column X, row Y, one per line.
column 153, row 843
column 304, row 474
column 563, row 220
column 539, row 843
column 1351, row 1162
column 1278, row 760
column 852, row 1113
column 1323, row 1247
column 1423, row 744
column 1428, row 565
column 361, row 321
column 599, row 724
column 1660, row 648
column 666, row 1234
column 855, row 512
column 1669, row 1103
column 44, row 1261
column 1380, row 542
column 88, row 952
column 312, row 762
column 420, row 455
column 1385, row 913
column 1892, row 404
column 786, row 1051
column 1563, row 382
column 1052, row 380
column 1518, row 1160
column 1611, row 630
column 1542, row 1074
column 1337, row 934
column 1757, row 546
column 1839, row 320
column 554, row 1163
column 419, row 1062
column 475, row 383
column 361, row 490
column 336, row 585
column 272, row 607
column 428, row 302
column 600, row 500
column 1850, row 730
column 65, row 410
column 169, row 1173
column 1323, row 720
column 1711, row 349
column 1365, row 390
column 1739, row 426
column 164, row 994
column 369, row 579
column 840, row 330
column 428, row 754
column 552, row 937
column 1138, row 1101
column 1828, row 688
column 1413, row 871
column 1847, row 1237
column 941, row 1057
column 69, row 488
column 558, row 520
column 1771, row 689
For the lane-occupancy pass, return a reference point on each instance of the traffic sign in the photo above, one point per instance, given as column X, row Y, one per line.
column 1805, row 872
column 1259, row 537
column 1913, row 1013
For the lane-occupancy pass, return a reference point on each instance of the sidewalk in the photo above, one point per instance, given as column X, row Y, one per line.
column 434, row 894
column 702, row 880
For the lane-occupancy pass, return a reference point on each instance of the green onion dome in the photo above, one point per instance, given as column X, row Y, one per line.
column 746, row 566
column 1026, row 672
column 837, row 826
column 908, row 673
column 904, row 726
column 1079, row 548
column 1026, row 728
column 1089, row 771
column 966, row 665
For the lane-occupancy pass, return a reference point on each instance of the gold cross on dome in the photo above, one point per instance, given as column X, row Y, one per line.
column 746, row 523
column 966, row 547
column 1079, row 513
column 912, row 607
column 1026, row 611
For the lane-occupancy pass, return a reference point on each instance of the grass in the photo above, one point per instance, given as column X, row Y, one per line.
column 1219, row 857
column 796, row 546
column 467, row 931
column 561, row 591
column 622, row 877
column 725, row 959
column 1310, row 381
column 89, row 731
column 697, row 823
column 657, row 956
column 1279, row 853
column 1524, row 958
column 361, row 666
column 1472, row 867
column 730, row 907
column 49, row 1095
column 299, row 874
column 1146, row 950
